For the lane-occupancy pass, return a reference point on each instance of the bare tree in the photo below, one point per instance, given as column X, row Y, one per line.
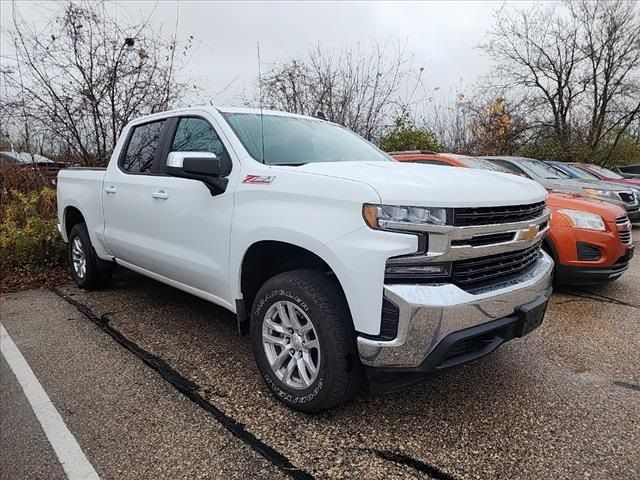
column 537, row 53
column 83, row 76
column 447, row 114
column 609, row 41
column 359, row 88
column 575, row 65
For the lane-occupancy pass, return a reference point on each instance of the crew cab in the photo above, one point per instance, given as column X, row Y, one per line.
column 341, row 264
column 589, row 239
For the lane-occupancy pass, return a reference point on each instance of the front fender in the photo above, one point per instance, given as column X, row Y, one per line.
column 357, row 259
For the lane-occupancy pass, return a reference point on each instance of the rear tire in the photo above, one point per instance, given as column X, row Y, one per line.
column 303, row 341
column 89, row 272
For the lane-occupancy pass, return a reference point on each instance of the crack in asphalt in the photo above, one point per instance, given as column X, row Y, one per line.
column 402, row 459
column 586, row 294
column 631, row 386
column 189, row 389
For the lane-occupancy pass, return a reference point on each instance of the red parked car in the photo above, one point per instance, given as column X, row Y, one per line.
column 606, row 174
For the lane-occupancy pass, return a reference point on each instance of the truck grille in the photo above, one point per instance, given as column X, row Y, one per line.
column 464, row 217
column 484, row 271
column 489, row 239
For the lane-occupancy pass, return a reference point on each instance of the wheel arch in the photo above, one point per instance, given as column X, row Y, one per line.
column 71, row 217
column 263, row 260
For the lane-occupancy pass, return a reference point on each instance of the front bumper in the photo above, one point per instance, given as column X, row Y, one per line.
column 430, row 313
column 593, row 275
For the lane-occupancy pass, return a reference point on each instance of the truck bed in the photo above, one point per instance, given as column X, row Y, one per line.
column 81, row 188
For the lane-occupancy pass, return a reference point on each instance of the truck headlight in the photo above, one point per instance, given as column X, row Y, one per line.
column 392, row 217
column 578, row 219
column 607, row 194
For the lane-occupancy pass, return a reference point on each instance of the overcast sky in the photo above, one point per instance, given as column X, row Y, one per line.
column 441, row 35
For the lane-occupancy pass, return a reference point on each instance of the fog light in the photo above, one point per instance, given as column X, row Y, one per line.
column 413, row 272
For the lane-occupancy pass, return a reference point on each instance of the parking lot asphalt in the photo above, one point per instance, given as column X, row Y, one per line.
column 155, row 383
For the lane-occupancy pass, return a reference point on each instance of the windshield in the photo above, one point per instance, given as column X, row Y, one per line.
column 296, row 141
column 483, row 164
column 606, row 172
column 541, row 169
column 579, row 173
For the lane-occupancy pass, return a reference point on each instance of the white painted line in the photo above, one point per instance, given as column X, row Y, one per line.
column 71, row 456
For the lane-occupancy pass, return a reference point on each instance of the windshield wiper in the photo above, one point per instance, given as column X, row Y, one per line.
column 287, row 164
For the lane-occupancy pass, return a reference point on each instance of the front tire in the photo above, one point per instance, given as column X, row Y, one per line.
column 303, row 341
column 89, row 272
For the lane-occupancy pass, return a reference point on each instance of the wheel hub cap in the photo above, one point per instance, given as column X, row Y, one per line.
column 78, row 258
column 291, row 344
column 296, row 341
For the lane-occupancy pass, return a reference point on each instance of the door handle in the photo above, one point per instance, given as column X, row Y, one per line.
column 110, row 189
column 160, row 195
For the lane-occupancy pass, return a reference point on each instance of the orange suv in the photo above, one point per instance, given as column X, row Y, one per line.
column 589, row 240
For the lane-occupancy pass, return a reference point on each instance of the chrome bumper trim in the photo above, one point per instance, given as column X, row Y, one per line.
column 428, row 313
column 462, row 233
column 525, row 234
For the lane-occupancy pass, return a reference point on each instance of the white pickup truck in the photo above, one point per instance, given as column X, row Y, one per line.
column 342, row 264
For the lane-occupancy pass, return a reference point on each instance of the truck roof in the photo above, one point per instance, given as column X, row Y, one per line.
column 220, row 109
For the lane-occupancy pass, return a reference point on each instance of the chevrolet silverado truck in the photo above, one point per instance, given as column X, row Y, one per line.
column 342, row 265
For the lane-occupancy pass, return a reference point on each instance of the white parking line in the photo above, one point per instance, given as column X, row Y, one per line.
column 71, row 456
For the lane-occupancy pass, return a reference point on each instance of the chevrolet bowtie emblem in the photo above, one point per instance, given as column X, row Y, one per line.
column 529, row 234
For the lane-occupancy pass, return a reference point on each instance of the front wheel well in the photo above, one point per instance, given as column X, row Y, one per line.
column 265, row 259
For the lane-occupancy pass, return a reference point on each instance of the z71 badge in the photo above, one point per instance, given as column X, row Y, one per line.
column 260, row 179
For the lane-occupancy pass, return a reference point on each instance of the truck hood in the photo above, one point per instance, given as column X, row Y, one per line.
column 406, row 183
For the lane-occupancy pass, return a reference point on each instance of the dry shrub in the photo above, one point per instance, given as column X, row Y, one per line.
column 29, row 238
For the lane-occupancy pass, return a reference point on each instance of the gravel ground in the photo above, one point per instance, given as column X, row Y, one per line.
column 560, row 403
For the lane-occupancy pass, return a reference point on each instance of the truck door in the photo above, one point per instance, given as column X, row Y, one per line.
column 128, row 188
column 190, row 226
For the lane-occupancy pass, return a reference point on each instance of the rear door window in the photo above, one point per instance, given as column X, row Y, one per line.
column 143, row 145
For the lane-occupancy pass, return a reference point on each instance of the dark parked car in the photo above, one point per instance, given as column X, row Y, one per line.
column 607, row 175
column 628, row 171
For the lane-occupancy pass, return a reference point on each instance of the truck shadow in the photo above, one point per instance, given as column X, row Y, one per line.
column 202, row 340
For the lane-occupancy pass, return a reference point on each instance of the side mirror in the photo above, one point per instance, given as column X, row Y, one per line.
column 203, row 166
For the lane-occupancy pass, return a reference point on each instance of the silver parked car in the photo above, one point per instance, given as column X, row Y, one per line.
column 553, row 179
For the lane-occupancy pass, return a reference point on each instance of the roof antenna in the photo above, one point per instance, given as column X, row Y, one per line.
column 260, row 93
